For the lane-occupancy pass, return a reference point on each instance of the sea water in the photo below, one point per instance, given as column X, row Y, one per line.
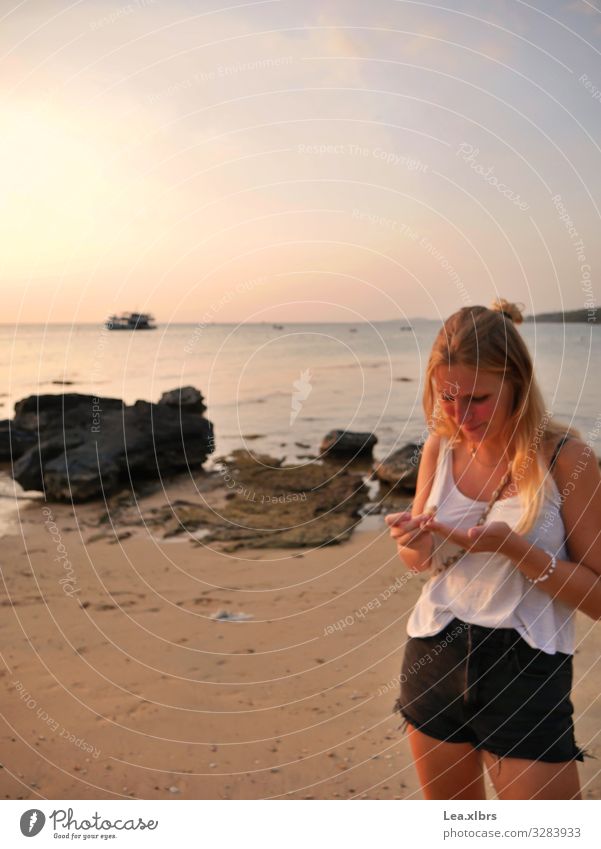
column 280, row 389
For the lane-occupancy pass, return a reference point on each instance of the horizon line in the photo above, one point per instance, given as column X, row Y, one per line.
column 255, row 323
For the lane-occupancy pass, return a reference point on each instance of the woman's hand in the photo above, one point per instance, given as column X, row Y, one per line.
column 496, row 536
column 414, row 542
column 408, row 530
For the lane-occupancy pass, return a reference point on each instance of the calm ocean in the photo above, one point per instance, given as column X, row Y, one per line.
column 288, row 384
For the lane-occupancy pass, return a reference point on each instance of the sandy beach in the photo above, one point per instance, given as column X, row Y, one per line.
column 118, row 683
column 253, row 255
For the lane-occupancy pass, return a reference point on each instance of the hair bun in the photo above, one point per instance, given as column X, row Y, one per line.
column 509, row 309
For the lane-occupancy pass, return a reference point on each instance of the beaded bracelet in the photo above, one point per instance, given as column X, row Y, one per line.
column 548, row 571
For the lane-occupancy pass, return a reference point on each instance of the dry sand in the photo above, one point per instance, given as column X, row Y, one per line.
column 123, row 686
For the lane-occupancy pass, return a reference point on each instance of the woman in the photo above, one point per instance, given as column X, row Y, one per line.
column 507, row 514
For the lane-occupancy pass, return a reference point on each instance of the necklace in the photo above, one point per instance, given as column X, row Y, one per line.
column 450, row 561
column 473, row 450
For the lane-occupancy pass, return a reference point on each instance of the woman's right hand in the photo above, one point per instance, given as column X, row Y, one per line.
column 411, row 538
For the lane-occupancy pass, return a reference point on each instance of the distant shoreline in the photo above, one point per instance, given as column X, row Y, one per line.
column 585, row 316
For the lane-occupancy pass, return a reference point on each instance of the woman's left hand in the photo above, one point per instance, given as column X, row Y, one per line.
column 496, row 536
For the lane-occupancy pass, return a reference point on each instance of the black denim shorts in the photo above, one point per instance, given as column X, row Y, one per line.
column 488, row 687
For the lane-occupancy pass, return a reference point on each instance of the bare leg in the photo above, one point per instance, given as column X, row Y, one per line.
column 446, row 770
column 518, row 778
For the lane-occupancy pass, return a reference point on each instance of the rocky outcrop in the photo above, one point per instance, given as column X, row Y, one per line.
column 79, row 447
column 348, row 443
column 400, row 468
column 270, row 505
column 186, row 398
column 14, row 441
column 40, row 413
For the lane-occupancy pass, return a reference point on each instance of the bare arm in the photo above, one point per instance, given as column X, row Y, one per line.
column 415, row 545
column 576, row 581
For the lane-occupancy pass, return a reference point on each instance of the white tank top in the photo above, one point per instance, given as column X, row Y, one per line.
column 488, row 589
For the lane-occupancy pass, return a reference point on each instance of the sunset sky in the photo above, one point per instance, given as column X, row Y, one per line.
column 297, row 160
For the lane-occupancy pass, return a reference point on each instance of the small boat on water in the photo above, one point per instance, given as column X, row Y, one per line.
column 130, row 321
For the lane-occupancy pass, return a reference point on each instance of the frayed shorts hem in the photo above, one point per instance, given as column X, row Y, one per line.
column 459, row 738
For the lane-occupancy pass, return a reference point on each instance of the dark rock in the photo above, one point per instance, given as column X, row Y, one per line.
column 87, row 447
column 347, row 442
column 186, row 397
column 29, row 469
column 14, row 441
column 80, row 475
column 39, row 412
column 400, row 468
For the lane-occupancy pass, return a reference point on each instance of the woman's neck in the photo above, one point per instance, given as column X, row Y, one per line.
column 488, row 453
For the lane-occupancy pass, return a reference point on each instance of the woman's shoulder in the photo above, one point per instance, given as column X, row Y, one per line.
column 433, row 453
column 431, row 447
column 562, row 449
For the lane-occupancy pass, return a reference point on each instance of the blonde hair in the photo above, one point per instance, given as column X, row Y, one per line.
column 487, row 339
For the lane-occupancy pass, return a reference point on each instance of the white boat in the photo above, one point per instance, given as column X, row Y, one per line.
column 130, row 321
